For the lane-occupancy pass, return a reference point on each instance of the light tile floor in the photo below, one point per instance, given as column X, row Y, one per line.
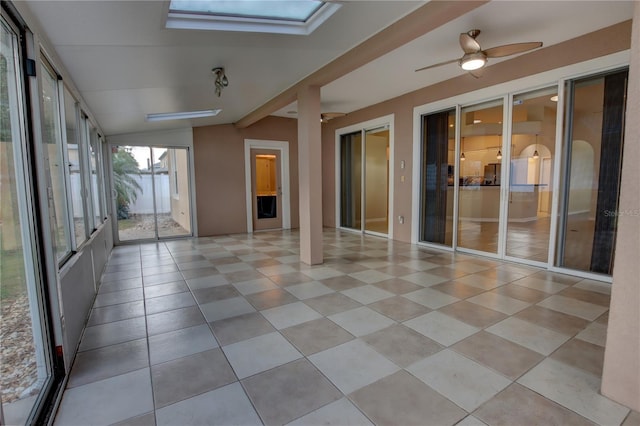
column 235, row 330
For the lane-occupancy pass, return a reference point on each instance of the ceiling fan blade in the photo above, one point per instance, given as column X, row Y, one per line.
column 468, row 43
column 511, row 49
column 437, row 65
column 330, row 115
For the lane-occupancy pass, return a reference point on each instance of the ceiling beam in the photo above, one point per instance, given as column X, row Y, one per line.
column 419, row 22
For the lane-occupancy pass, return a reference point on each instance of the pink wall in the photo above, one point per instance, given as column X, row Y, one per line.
column 621, row 372
column 599, row 43
column 220, row 176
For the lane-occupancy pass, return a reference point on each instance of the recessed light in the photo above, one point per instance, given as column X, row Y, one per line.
column 476, row 121
column 162, row 116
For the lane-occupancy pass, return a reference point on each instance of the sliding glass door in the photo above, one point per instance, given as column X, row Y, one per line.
column 351, row 180
column 438, row 165
column 479, row 196
column 152, row 192
column 533, row 137
column 376, row 172
column 591, row 172
column 364, row 180
column 511, row 161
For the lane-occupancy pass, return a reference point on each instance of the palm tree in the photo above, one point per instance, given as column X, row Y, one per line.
column 125, row 168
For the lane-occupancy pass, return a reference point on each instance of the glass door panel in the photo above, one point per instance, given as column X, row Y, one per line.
column 351, row 180
column 133, row 191
column 171, row 183
column 377, row 181
column 480, row 170
column 438, row 162
column 152, row 190
column 591, row 172
column 531, row 175
column 25, row 359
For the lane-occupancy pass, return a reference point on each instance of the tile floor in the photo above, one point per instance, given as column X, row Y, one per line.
column 235, row 330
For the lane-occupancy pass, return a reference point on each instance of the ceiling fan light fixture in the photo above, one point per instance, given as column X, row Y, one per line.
column 473, row 61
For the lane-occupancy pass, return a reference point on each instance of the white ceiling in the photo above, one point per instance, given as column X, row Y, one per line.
column 126, row 64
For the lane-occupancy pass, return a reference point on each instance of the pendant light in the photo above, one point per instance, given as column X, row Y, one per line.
column 462, row 154
column 535, row 153
column 499, row 155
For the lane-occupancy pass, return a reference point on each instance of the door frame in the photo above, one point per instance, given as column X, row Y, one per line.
column 283, row 147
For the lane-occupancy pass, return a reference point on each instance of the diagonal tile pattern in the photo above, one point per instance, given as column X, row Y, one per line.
column 235, row 330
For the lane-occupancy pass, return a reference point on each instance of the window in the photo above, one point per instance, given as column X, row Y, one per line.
column 75, row 167
column 26, row 376
column 96, row 181
column 54, row 164
column 272, row 16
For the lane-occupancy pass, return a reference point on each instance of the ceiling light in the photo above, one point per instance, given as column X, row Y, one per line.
column 221, row 80
column 473, row 61
column 162, row 116
column 477, row 121
column 499, row 155
column 554, row 98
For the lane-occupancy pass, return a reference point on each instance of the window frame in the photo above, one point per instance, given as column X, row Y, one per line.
column 61, row 148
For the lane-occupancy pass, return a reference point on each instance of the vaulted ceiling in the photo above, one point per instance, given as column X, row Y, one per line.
column 126, row 64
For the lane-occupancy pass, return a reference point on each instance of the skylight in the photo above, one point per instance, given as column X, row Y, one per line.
column 271, row 16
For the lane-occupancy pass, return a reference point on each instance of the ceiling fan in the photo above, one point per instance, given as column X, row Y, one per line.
column 326, row 116
column 475, row 58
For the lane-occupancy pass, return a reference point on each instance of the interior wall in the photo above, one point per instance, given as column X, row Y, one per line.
column 621, row 370
column 78, row 287
column 219, row 172
column 593, row 45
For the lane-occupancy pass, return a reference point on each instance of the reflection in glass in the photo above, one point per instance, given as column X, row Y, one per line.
column 377, row 180
column 351, row 180
column 530, row 186
column 479, row 195
column 438, row 162
column 591, row 172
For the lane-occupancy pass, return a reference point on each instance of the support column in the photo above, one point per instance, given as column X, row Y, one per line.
column 621, row 373
column 310, row 174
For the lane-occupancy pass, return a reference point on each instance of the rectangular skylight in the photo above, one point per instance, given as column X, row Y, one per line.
column 163, row 116
column 267, row 16
column 291, row 10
